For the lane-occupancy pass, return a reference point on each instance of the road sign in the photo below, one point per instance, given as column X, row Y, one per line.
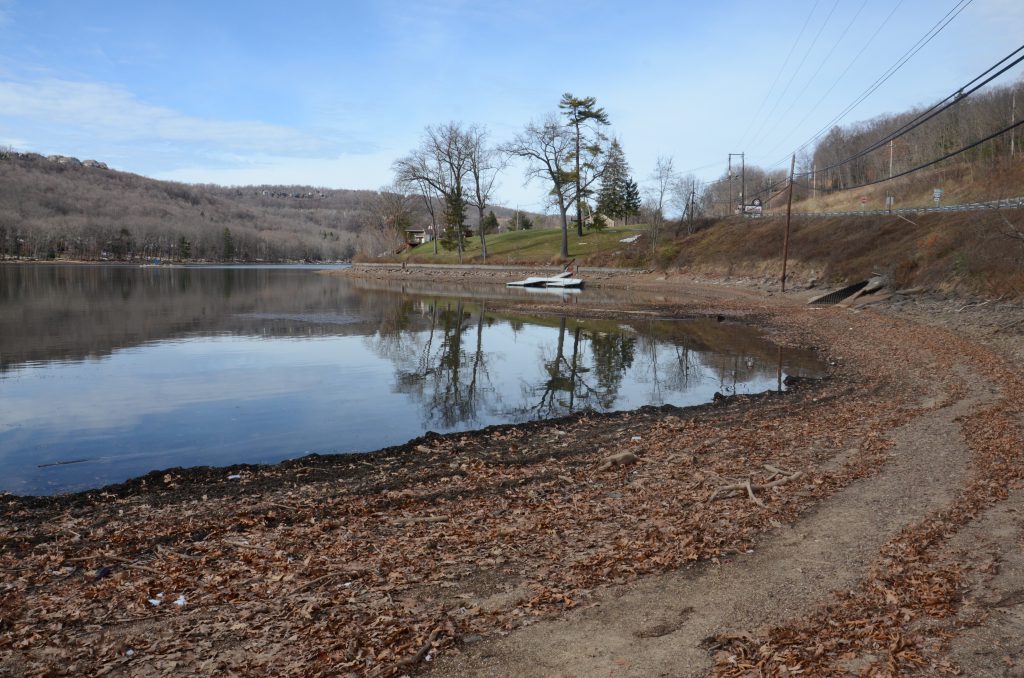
column 937, row 195
column 863, row 200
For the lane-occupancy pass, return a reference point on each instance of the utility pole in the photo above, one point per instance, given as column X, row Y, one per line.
column 789, row 214
column 814, row 181
column 891, row 142
column 730, row 186
column 689, row 211
column 517, row 217
column 743, row 181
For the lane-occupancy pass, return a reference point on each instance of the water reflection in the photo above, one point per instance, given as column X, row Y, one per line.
column 465, row 364
column 124, row 370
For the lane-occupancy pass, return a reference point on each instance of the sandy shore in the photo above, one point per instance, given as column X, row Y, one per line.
column 880, row 532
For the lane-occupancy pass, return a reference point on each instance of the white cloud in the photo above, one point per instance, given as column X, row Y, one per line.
column 114, row 114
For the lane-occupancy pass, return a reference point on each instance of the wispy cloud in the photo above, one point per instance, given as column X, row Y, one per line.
column 114, row 114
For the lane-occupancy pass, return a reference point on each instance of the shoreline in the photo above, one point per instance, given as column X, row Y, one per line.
column 463, row 544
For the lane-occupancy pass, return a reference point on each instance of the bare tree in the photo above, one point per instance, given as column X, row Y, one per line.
column 485, row 163
column 393, row 213
column 683, row 195
column 547, row 147
column 663, row 176
column 413, row 173
column 442, row 162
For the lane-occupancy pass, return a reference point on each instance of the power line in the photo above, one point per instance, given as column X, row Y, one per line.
column 821, row 64
column 952, row 100
column 778, row 73
column 807, row 53
column 929, row 163
column 930, row 35
column 835, row 83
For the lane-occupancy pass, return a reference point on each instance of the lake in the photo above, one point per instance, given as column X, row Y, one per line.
column 109, row 372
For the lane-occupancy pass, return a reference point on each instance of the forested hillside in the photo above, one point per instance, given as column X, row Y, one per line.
column 846, row 163
column 59, row 207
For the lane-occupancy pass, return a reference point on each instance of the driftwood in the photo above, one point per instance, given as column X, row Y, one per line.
column 726, row 491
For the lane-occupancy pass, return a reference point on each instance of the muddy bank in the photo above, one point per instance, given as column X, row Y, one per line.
column 439, row 549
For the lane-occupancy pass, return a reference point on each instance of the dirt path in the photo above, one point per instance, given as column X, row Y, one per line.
column 657, row 626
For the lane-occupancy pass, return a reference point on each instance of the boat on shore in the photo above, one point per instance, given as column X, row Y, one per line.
column 563, row 280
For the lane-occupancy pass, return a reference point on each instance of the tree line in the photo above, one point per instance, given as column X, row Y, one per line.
column 972, row 118
column 455, row 168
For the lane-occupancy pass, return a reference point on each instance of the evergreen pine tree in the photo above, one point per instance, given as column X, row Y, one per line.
column 489, row 223
column 228, row 248
column 632, row 201
column 611, row 199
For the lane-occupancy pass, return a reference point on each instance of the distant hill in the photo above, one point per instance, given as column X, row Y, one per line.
column 62, row 207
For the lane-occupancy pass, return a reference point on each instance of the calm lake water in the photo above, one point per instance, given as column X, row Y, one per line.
column 109, row 372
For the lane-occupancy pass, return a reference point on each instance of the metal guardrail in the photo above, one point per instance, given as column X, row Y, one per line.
column 1005, row 203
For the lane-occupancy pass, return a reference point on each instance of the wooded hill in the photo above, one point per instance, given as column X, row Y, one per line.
column 60, row 207
column 856, row 160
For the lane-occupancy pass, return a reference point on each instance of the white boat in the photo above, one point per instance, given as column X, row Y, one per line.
column 562, row 279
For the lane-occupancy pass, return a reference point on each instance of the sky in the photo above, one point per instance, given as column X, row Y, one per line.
column 331, row 93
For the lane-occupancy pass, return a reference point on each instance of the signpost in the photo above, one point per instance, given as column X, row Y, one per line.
column 937, row 196
column 755, row 208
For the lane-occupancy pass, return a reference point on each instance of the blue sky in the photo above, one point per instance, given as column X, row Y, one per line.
column 330, row 93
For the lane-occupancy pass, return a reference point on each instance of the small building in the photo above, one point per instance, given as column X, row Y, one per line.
column 418, row 236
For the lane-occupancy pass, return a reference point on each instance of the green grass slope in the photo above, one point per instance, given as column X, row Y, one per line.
column 541, row 246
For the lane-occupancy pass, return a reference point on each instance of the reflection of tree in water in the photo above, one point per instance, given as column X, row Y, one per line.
column 571, row 384
column 435, row 367
column 439, row 358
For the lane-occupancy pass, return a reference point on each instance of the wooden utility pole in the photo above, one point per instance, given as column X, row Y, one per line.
column 789, row 214
column 730, row 187
column 689, row 212
column 743, row 183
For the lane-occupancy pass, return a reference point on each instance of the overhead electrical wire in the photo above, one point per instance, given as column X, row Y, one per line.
column 835, row 83
column 930, row 35
column 796, row 72
column 778, row 74
column 821, row 64
column 930, row 162
column 951, row 100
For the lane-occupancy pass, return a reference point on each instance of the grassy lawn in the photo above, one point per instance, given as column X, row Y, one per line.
column 536, row 246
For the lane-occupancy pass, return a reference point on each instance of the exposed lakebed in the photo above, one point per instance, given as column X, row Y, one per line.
column 108, row 372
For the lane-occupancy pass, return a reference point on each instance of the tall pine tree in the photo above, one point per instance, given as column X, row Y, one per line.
column 632, row 199
column 611, row 199
column 586, row 120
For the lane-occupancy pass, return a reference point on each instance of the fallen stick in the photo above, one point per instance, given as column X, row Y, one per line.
column 128, row 563
column 419, row 519
column 171, row 552
column 1008, row 325
column 418, row 657
column 776, row 469
column 722, row 492
column 310, row 584
column 753, row 497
